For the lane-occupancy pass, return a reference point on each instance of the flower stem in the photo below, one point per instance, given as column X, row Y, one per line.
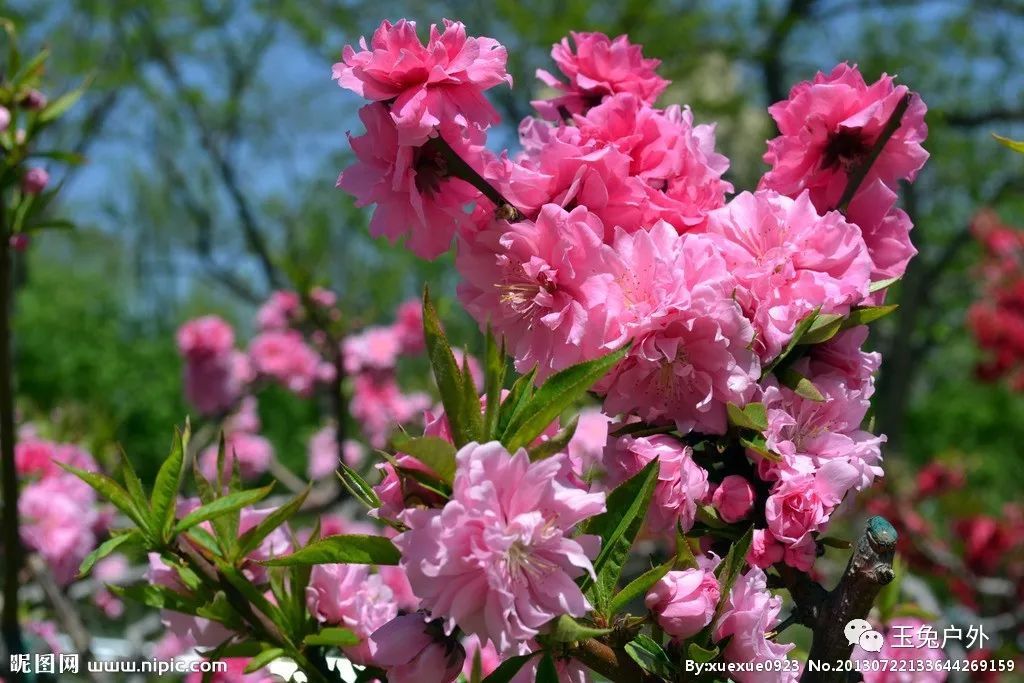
column 460, row 168
column 858, row 174
column 613, row 664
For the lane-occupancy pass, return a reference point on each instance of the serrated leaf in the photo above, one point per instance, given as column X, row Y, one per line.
column 867, row 314
column 165, row 489
column 232, row 502
column 263, row 658
column 700, row 654
column 521, row 392
column 685, row 558
column 471, row 402
column 55, row 109
column 638, row 587
column 556, row 444
column 800, row 385
column 432, row 451
column 730, row 568
column 157, row 597
column 109, row 489
column 495, row 367
column 824, row 327
column 447, row 375
column 250, row 591
column 547, row 672
column 882, row 284
column 554, row 396
column 252, row 538
column 565, row 629
column 1015, row 145
column 751, row 416
column 134, row 485
column 650, row 656
column 358, row 487
column 107, row 547
column 617, row 528
column 351, row 549
column 508, row 669
column 759, row 445
column 332, row 637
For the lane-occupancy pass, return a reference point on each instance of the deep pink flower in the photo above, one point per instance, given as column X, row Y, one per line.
column 599, row 66
column 322, row 453
column 764, row 549
column 414, row 195
column 441, row 81
column 682, row 483
column 349, row 595
column 733, row 498
column 789, row 261
column 253, row 452
column 286, row 358
column 828, row 127
column 886, row 231
column 690, row 353
column 684, row 602
column 843, row 355
column 752, row 611
column 546, row 286
column 58, row 515
column 409, row 326
column 801, row 504
column 374, row 348
column 379, row 406
column 5, row 118
column 209, row 335
column 279, row 311
column 215, row 374
column 35, row 457
column 412, row 648
column 35, row 180
column 498, row 560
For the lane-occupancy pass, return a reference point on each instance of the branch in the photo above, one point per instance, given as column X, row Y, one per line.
column 613, row 664
column 968, row 119
column 460, row 168
column 859, row 173
column 827, row 612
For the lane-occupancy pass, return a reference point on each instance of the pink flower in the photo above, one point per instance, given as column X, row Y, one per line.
column 375, row 348
column 441, row 81
column 682, row 483
column 5, row 118
column 828, row 127
column 35, row 180
column 379, row 406
column 733, row 498
column 489, row 657
column 253, row 452
column 684, row 601
column 323, row 453
column 600, row 66
column 910, row 657
column 215, row 374
column 412, row 648
column 750, row 612
column 286, row 358
column 58, row 515
column 278, row 312
column 35, row 457
column 498, row 560
column 789, row 261
column 397, row 580
column 844, row 356
column 414, row 195
column 409, row 326
column 208, row 335
column 235, row 673
column 886, row 231
column 349, row 595
column 546, row 286
column 801, row 505
column 764, row 549
column 690, row 354
column 586, row 448
column 476, row 371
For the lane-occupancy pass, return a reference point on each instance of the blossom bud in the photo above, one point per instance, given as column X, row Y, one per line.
column 34, row 100
column 20, row 242
column 34, row 180
column 413, row 648
column 733, row 498
column 684, row 601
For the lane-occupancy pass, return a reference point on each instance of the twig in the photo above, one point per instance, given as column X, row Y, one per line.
column 613, row 664
column 460, row 168
column 859, row 173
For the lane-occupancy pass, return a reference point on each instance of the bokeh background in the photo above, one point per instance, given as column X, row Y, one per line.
column 214, row 136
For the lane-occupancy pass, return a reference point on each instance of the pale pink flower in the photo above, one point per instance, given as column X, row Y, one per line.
column 414, row 195
column 284, row 357
column 546, row 286
column 476, row 371
column 322, row 453
column 5, row 118
column 374, row 348
column 843, row 355
column 489, row 657
column 379, row 406
column 733, row 498
column 569, row 670
column 789, row 262
column 801, row 504
column 111, row 569
column 349, row 595
column 246, row 417
column 253, row 452
column 408, row 326
column 397, row 580
column 906, row 652
column 425, row 85
column 599, row 66
column 690, row 353
column 35, row 180
column 886, row 231
column 279, row 311
column 498, row 560
column 58, row 515
column 683, row 602
column 828, row 127
column 764, row 549
column 412, row 648
column 277, row 543
column 586, row 448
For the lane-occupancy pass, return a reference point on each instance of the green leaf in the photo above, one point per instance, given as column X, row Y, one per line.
column 547, row 672
column 471, row 402
column 1015, row 145
column 434, row 452
column 56, row 108
column 168, row 481
column 824, row 327
column 701, row 655
column 759, row 445
column 520, row 393
column 798, row 332
column 157, row 597
column 332, row 637
column 638, row 587
column 495, row 367
column 863, row 315
column 109, row 489
column 222, row 506
column 352, row 549
column 250, row 591
column 800, row 384
column 508, row 669
column 685, row 558
column 252, row 538
column 751, row 416
column 556, row 444
column 618, row 527
column 730, row 569
column 476, row 670
column 565, row 629
column 447, row 375
column 358, row 487
column 554, row 396
column 650, row 656
column 134, row 486
column 107, row 547
column 882, row 284
column 263, row 658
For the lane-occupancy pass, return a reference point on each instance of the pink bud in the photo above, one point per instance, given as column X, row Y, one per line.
column 34, row 180
column 684, row 601
column 5, row 118
column 413, row 649
column 20, row 242
column 733, row 498
column 34, row 100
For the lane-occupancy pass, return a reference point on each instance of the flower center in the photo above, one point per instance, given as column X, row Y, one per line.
column 431, row 169
column 846, row 149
